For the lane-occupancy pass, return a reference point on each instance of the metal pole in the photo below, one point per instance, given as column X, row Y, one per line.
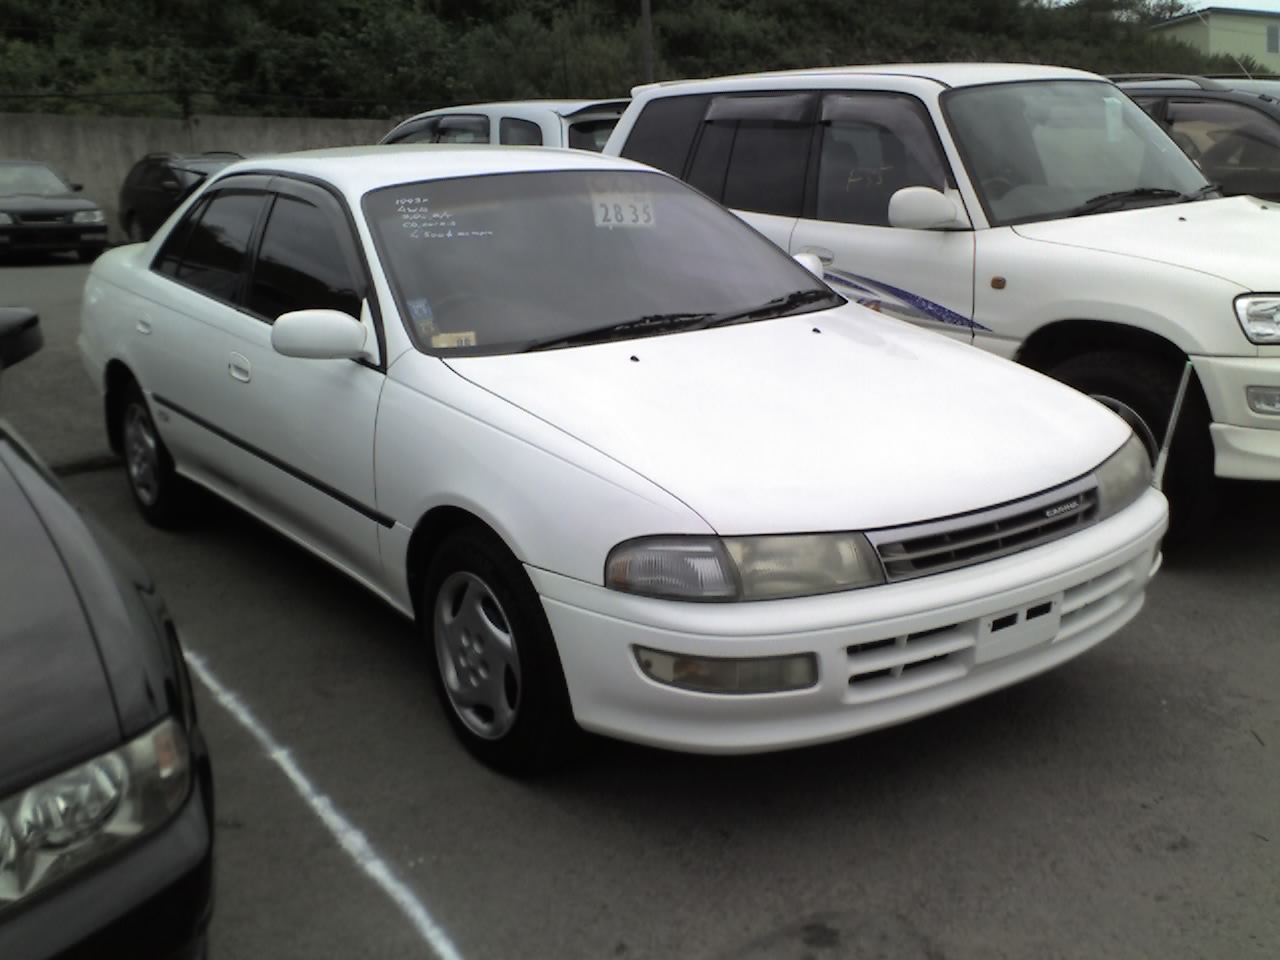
column 1162, row 459
column 646, row 39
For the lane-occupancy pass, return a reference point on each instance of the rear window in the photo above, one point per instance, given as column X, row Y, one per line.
column 591, row 134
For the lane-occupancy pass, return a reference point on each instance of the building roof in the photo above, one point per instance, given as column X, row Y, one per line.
column 1206, row 12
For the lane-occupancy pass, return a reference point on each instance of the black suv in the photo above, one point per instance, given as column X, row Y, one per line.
column 159, row 182
column 1229, row 126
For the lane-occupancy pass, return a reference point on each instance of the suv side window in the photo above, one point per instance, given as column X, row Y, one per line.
column 516, row 132
column 664, row 132
column 213, row 256
column 306, row 261
column 874, row 144
column 754, row 151
column 1224, row 137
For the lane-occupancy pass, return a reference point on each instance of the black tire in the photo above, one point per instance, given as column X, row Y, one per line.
column 1147, row 386
column 540, row 735
column 165, row 499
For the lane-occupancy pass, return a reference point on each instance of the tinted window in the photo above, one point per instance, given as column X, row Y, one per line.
column 463, row 129
column 873, row 146
column 304, row 263
column 664, row 132
column 422, row 131
column 1225, row 137
column 214, row 255
column 524, row 133
column 491, row 264
column 591, row 134
column 170, row 254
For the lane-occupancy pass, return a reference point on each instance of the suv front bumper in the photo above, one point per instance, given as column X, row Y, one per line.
column 1246, row 444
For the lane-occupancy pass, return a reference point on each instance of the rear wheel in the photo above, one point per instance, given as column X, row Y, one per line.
column 494, row 659
column 163, row 497
column 1141, row 390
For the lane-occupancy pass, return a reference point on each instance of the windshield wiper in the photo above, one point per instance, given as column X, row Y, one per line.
column 1203, row 192
column 777, row 307
column 1104, row 200
column 648, row 325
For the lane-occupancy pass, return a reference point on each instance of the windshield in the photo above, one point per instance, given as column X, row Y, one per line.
column 503, row 263
column 29, row 178
column 1043, row 150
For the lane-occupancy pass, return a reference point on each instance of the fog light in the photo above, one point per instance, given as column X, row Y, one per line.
column 729, row 675
column 1264, row 400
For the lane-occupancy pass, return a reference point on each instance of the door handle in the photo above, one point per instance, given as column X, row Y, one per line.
column 822, row 253
column 239, row 368
column 143, row 326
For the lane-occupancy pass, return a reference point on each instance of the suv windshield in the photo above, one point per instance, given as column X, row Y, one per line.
column 31, row 179
column 1050, row 149
column 510, row 262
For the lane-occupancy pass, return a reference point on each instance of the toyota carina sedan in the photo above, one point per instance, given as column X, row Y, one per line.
column 631, row 468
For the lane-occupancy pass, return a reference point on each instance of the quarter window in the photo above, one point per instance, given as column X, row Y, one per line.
column 213, row 255
column 303, row 263
column 872, row 146
column 521, row 133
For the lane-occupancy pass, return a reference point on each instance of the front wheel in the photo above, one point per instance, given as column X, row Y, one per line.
column 1141, row 390
column 494, row 659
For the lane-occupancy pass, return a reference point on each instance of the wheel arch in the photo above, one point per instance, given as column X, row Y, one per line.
column 429, row 533
column 117, row 379
column 1063, row 339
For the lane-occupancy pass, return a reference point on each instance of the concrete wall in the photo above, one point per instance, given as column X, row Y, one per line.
column 98, row 151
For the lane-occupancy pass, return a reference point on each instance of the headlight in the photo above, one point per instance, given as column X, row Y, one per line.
column 88, row 216
column 743, row 568
column 53, row 828
column 5, row 219
column 1123, row 477
column 1260, row 317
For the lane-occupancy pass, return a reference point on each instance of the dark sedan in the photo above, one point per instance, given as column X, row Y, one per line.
column 157, row 185
column 106, row 795
column 41, row 212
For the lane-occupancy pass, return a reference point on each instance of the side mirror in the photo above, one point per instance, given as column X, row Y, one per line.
column 318, row 335
column 20, row 335
column 810, row 262
column 76, row 187
column 924, row 208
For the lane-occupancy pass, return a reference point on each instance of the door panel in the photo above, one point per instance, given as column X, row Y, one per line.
column 871, row 146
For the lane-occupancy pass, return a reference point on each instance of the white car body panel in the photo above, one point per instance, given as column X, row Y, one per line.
column 758, row 428
column 1169, row 270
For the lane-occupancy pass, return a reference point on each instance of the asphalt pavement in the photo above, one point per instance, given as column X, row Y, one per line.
column 1126, row 805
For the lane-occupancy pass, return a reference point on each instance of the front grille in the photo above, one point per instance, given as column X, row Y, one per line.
column 898, row 665
column 926, row 548
column 42, row 217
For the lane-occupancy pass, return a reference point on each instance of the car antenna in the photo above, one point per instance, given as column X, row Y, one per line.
column 1162, row 459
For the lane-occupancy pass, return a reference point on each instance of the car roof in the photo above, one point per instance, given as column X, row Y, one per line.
column 943, row 74
column 563, row 108
column 22, row 163
column 357, row 170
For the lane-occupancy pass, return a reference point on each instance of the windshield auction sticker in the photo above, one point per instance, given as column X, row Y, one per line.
column 622, row 210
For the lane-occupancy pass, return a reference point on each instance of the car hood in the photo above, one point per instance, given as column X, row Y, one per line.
column 1234, row 239
column 56, row 707
column 54, row 203
column 775, row 427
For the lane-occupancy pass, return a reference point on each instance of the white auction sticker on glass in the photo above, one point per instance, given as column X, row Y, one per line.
column 622, row 209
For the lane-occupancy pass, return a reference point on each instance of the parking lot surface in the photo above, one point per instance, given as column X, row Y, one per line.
column 1126, row 805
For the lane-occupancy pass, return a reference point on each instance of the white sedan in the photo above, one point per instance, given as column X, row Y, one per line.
column 630, row 467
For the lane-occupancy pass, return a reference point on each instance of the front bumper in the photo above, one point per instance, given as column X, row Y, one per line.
column 52, row 237
column 886, row 654
column 1246, row 444
column 153, row 901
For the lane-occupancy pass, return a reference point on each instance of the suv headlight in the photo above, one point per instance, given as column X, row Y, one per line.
column 1260, row 317
column 53, row 828
column 1123, row 477
column 743, row 568
column 88, row 216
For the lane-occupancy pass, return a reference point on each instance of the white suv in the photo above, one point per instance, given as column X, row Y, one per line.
column 1033, row 211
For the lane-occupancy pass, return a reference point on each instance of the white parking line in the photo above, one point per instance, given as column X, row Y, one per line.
column 350, row 837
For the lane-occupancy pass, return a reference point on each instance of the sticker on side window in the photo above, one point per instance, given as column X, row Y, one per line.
column 446, row 341
column 622, row 209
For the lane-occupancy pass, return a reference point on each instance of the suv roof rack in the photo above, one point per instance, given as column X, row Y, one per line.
column 1204, row 83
